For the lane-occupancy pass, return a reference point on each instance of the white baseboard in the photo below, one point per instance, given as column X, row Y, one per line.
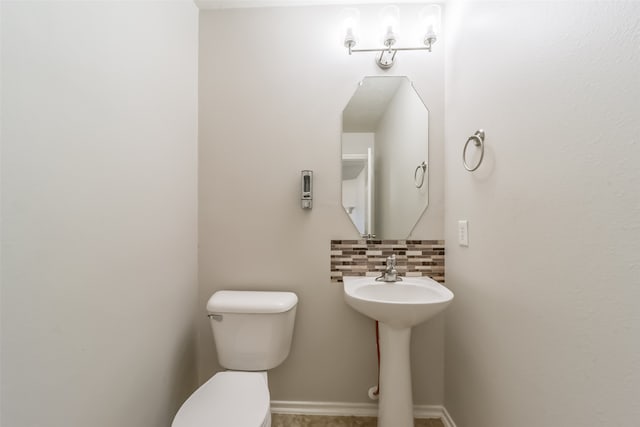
column 446, row 418
column 338, row 409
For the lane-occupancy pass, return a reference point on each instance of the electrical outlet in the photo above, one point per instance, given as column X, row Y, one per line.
column 463, row 232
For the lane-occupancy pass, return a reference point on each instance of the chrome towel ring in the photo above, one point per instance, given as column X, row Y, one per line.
column 478, row 139
column 420, row 182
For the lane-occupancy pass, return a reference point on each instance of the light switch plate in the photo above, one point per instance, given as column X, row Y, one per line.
column 463, row 232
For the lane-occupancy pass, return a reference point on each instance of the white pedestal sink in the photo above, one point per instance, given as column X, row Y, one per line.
column 397, row 307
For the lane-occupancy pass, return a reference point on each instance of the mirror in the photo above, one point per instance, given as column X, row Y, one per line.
column 385, row 146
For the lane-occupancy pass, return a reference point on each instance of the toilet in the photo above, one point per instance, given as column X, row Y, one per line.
column 252, row 331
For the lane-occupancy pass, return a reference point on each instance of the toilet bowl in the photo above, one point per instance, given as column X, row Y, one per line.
column 253, row 333
column 229, row 399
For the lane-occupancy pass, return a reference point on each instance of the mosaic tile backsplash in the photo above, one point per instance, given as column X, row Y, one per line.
column 368, row 258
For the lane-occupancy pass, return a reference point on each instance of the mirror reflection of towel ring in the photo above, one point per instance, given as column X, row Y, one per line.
column 420, row 182
column 478, row 139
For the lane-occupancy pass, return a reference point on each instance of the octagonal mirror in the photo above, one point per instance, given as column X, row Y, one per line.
column 385, row 148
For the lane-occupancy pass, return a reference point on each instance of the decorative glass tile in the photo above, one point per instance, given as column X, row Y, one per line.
column 415, row 258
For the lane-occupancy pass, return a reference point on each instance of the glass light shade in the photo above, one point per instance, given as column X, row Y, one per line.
column 430, row 20
column 389, row 18
column 350, row 18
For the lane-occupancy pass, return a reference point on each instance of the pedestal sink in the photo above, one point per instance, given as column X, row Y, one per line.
column 397, row 306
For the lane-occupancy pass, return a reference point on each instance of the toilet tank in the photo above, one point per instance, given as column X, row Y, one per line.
column 252, row 330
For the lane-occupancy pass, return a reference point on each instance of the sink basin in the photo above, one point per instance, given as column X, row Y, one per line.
column 400, row 304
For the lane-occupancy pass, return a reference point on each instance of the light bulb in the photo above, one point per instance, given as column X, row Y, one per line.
column 389, row 18
column 430, row 18
column 350, row 19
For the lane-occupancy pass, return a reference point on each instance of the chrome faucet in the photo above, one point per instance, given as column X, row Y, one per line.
column 390, row 274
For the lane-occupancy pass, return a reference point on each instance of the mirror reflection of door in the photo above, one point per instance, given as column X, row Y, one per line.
column 384, row 144
column 357, row 181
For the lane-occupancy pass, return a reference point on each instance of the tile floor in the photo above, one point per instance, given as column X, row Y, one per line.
column 281, row 420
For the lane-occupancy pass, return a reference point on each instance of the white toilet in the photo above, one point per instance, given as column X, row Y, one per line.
column 252, row 332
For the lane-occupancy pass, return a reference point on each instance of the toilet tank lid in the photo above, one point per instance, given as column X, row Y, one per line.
column 251, row 302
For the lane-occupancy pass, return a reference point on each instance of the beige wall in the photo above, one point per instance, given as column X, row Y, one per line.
column 273, row 83
column 99, row 217
column 545, row 327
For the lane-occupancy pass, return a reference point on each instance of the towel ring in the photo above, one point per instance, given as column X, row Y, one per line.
column 422, row 166
column 478, row 139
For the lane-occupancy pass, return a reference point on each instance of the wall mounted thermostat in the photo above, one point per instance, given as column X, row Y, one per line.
column 307, row 189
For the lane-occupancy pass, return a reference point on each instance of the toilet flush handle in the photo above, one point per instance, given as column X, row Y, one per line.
column 217, row 317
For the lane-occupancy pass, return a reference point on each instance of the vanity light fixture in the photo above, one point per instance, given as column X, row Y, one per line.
column 429, row 21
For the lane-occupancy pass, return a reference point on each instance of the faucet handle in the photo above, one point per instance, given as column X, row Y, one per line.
column 391, row 260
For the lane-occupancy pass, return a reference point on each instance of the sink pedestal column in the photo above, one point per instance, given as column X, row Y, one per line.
column 395, row 403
